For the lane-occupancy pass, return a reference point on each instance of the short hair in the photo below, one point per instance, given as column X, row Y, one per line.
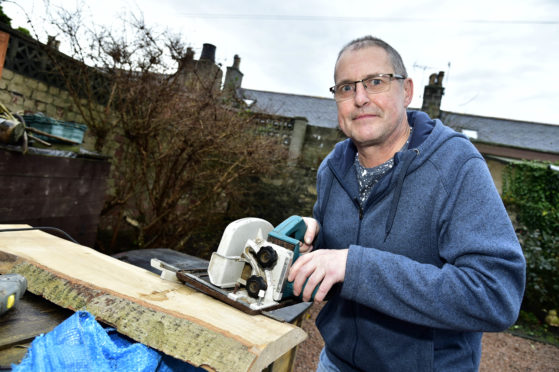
column 371, row 41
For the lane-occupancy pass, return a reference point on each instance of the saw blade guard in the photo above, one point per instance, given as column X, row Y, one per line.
column 226, row 265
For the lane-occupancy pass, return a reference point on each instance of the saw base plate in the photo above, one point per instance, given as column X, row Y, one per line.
column 199, row 280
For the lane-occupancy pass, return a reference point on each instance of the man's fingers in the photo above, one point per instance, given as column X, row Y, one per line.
column 296, row 266
column 323, row 289
column 301, row 275
column 323, row 268
column 304, row 248
column 312, row 231
column 314, row 280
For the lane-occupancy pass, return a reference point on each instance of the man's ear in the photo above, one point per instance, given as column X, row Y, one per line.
column 408, row 91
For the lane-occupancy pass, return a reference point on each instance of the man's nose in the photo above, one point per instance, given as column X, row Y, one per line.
column 361, row 95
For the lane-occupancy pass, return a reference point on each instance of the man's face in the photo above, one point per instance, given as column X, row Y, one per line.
column 371, row 119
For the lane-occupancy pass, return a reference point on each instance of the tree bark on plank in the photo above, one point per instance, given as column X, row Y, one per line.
column 169, row 317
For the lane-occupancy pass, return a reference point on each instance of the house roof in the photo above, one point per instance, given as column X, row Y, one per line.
column 506, row 132
column 322, row 112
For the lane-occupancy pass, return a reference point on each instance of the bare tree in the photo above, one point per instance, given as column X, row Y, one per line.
column 179, row 151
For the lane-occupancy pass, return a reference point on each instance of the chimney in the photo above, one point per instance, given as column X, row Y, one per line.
column 186, row 63
column 233, row 77
column 433, row 95
column 206, row 70
column 208, row 52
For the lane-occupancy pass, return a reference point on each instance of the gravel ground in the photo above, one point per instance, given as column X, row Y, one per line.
column 502, row 352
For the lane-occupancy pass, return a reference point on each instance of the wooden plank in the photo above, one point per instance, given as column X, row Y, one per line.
column 4, row 40
column 167, row 316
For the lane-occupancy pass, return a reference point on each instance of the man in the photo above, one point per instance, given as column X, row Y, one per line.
column 412, row 242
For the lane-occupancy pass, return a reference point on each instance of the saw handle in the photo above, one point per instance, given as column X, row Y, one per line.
column 291, row 231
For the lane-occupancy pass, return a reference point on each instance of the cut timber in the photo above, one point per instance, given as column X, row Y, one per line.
column 167, row 316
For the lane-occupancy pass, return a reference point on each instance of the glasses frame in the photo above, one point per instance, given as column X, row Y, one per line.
column 362, row 81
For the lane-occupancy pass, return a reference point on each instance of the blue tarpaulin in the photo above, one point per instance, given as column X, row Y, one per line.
column 80, row 343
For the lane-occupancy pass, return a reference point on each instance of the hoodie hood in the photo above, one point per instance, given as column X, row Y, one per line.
column 428, row 136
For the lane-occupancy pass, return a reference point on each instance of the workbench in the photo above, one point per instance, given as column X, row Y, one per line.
column 32, row 316
column 196, row 328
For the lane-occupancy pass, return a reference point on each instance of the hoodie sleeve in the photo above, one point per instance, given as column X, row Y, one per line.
column 480, row 284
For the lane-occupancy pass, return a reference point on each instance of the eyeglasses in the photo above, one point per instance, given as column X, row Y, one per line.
column 373, row 84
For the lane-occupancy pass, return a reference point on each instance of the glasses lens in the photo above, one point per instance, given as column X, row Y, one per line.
column 377, row 84
column 344, row 91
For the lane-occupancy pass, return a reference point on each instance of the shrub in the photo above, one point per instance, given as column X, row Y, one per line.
column 531, row 192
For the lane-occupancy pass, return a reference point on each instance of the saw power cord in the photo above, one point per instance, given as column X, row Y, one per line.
column 43, row 228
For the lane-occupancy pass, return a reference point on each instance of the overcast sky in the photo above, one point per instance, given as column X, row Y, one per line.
column 500, row 57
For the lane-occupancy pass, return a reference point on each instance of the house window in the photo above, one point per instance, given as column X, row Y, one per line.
column 470, row 133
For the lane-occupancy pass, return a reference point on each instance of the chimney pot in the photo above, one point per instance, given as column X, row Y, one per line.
column 441, row 77
column 52, row 42
column 236, row 61
column 436, row 79
column 208, row 52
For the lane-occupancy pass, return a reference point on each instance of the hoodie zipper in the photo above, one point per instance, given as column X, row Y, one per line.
column 361, row 215
column 360, row 210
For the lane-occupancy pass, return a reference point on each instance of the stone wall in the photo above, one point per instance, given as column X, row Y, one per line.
column 24, row 95
column 295, row 190
column 318, row 142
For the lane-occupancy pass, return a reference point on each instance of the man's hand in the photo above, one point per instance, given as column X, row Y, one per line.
column 312, row 230
column 324, row 267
